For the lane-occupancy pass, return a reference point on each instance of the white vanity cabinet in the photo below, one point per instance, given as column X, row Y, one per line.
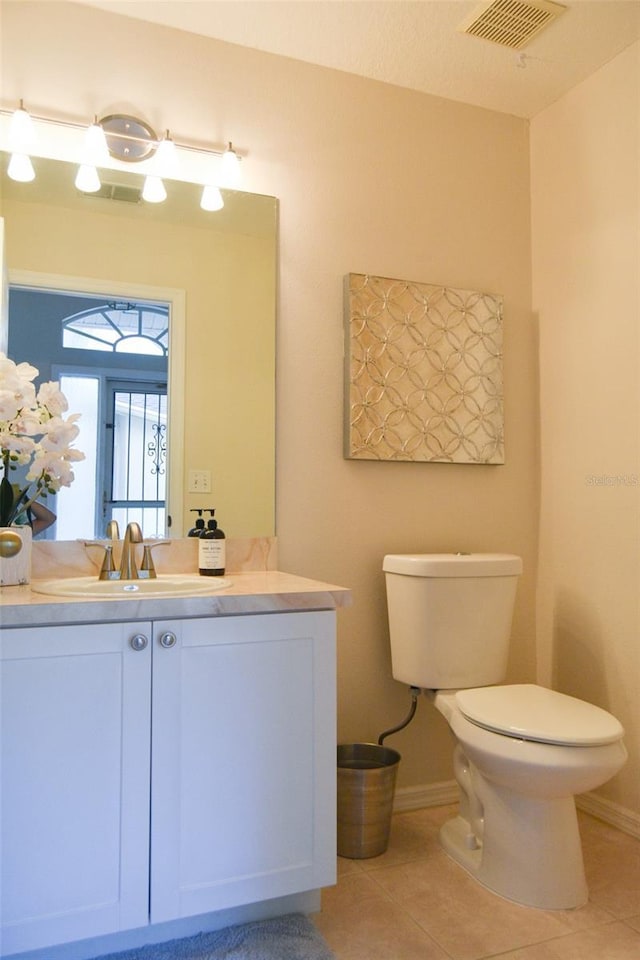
column 243, row 760
column 74, row 772
column 143, row 783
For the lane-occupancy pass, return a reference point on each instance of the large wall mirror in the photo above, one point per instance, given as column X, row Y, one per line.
column 209, row 277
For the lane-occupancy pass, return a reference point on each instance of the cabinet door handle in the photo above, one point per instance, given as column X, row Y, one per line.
column 139, row 642
column 168, row 639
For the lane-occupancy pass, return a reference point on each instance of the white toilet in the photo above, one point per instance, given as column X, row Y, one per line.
column 522, row 752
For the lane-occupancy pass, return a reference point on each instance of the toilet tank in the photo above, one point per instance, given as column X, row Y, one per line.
column 450, row 617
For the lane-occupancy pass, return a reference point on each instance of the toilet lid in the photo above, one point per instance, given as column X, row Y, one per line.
column 529, row 712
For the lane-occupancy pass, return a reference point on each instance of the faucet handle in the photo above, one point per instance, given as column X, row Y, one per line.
column 147, row 569
column 107, row 570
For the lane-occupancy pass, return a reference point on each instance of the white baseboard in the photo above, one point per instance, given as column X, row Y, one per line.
column 425, row 795
column 612, row 813
column 439, row 794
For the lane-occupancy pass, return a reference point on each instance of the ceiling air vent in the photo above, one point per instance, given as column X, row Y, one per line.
column 511, row 23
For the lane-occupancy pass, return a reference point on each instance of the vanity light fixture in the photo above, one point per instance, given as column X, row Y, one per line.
column 87, row 179
column 166, row 160
column 230, row 164
column 21, row 139
column 20, row 168
column 153, row 190
column 164, row 164
column 94, row 153
column 211, row 198
column 21, row 131
column 121, row 139
column 228, row 175
column 95, row 147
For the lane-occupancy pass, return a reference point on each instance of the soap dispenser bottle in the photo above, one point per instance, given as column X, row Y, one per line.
column 211, row 550
column 198, row 529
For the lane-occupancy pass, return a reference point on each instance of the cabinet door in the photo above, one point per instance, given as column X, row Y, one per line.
column 243, row 761
column 75, row 715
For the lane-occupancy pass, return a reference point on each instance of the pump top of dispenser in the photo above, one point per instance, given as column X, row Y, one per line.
column 199, row 527
column 212, row 524
column 213, row 531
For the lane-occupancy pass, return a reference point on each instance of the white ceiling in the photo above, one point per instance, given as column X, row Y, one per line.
column 412, row 43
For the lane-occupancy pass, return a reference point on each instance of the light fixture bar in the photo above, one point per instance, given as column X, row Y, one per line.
column 116, row 142
column 74, row 125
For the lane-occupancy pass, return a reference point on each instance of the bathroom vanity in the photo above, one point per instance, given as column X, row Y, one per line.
column 168, row 764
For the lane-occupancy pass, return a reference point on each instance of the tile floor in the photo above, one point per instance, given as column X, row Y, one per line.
column 414, row 903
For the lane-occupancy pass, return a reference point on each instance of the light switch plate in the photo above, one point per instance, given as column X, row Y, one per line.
column 199, row 481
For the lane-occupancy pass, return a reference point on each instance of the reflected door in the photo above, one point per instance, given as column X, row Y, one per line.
column 135, row 482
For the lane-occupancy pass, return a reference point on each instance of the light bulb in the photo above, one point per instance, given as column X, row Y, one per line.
column 87, row 179
column 153, row 190
column 230, row 168
column 95, row 149
column 20, row 168
column 211, row 198
column 21, row 130
column 165, row 160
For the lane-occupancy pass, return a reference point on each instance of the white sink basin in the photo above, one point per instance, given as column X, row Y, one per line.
column 165, row 585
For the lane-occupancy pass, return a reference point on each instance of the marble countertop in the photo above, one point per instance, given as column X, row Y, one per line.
column 250, row 592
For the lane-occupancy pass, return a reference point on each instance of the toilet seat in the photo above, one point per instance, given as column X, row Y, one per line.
column 530, row 712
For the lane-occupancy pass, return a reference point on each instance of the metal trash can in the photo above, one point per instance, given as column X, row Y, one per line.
column 366, row 785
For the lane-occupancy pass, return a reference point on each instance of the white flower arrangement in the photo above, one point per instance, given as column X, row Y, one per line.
column 33, row 432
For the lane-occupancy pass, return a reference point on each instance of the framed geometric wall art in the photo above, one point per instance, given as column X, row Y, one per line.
column 423, row 372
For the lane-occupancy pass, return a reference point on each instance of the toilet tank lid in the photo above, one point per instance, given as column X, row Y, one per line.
column 453, row 564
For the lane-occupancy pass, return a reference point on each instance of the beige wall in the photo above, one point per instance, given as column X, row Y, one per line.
column 586, row 264
column 371, row 178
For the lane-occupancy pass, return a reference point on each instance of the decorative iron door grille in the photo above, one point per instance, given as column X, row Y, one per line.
column 136, row 486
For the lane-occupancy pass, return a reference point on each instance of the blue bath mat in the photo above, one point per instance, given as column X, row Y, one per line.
column 293, row 937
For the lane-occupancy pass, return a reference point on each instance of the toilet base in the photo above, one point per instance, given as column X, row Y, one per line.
column 529, row 852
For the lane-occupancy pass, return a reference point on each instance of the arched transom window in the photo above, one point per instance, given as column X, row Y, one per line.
column 119, row 328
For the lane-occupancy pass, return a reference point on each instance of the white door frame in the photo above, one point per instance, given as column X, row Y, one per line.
column 176, row 298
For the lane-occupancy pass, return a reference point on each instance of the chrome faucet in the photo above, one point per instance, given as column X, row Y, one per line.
column 133, row 535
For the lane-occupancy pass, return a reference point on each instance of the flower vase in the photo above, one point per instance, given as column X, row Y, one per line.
column 15, row 555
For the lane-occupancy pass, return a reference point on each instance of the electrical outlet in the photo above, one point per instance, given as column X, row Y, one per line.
column 199, row 481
